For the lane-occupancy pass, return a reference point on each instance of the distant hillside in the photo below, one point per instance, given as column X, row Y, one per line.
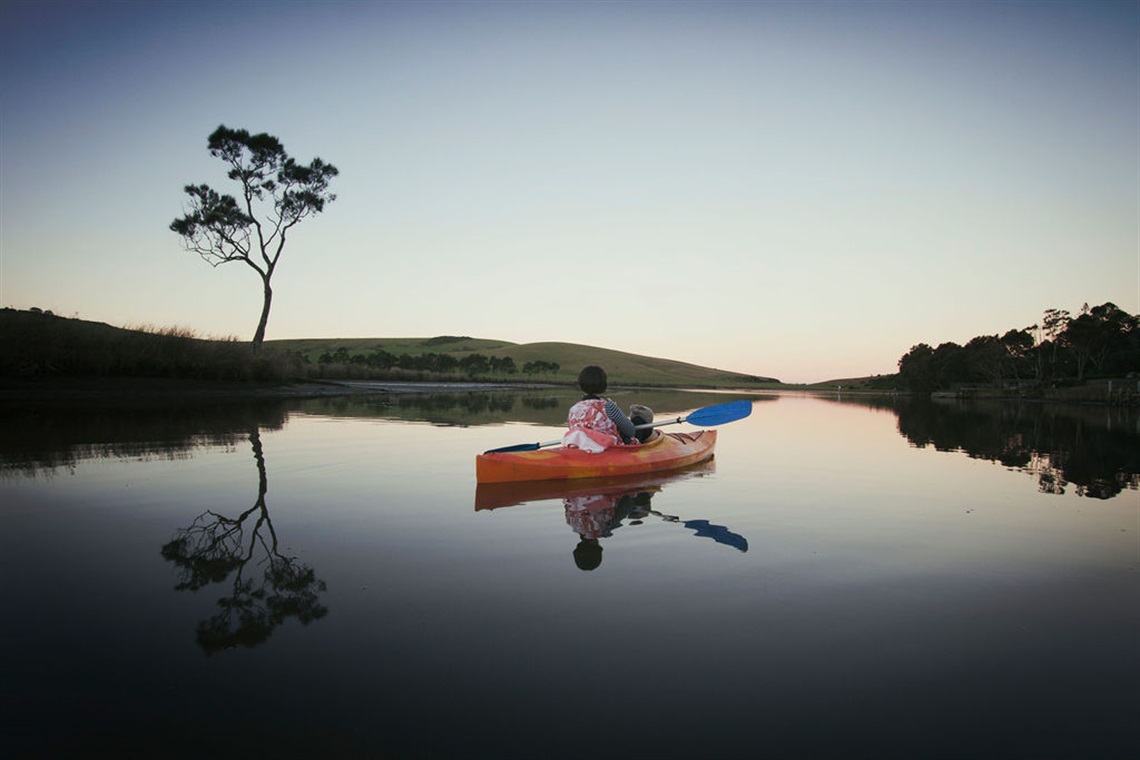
column 623, row 368
column 34, row 343
column 874, row 383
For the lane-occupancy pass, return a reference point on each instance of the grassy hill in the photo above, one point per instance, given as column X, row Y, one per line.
column 623, row 368
column 39, row 344
column 873, row 384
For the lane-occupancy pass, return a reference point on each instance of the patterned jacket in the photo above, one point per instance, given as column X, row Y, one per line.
column 595, row 424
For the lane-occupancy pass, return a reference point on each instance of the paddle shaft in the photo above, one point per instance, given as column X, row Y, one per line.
column 544, row 444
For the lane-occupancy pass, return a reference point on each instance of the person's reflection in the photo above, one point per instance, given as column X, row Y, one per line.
column 214, row 547
column 597, row 516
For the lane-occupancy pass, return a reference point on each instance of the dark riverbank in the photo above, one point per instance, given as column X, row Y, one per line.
column 144, row 389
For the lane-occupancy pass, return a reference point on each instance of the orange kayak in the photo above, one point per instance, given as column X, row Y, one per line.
column 665, row 451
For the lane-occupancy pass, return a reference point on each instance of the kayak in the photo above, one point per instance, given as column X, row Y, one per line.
column 513, row 493
column 664, row 451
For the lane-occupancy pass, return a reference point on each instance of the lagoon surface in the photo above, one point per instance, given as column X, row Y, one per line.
column 850, row 577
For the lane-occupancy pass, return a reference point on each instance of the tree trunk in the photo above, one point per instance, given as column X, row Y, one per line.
column 259, row 336
column 1082, row 362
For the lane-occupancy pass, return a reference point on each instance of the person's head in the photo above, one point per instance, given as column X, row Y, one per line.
column 588, row 554
column 593, row 380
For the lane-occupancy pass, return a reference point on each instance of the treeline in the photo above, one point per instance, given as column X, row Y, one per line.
column 1103, row 341
column 473, row 365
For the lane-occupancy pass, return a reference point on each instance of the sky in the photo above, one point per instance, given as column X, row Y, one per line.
column 799, row 190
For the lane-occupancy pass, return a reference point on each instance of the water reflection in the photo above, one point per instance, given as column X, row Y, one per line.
column 546, row 406
column 215, row 547
column 42, row 438
column 596, row 507
column 1094, row 449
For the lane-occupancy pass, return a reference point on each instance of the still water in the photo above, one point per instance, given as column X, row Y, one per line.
column 850, row 577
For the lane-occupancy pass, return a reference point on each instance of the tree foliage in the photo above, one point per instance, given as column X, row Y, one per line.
column 540, row 367
column 443, row 363
column 1104, row 340
column 275, row 194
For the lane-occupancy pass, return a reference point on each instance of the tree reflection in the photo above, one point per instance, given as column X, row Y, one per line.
column 545, row 406
column 268, row 588
column 1095, row 449
column 43, row 438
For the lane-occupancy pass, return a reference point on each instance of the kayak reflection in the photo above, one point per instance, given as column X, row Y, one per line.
column 596, row 507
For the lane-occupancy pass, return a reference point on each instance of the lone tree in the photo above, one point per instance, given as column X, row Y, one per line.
column 276, row 194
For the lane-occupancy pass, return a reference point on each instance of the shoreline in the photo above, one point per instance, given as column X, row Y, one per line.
column 157, row 389
column 87, row 389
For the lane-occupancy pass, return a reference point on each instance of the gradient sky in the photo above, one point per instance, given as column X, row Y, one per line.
column 801, row 190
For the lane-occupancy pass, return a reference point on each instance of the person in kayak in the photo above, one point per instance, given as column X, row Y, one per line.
column 597, row 423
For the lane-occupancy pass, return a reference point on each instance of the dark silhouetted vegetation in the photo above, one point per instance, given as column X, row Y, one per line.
column 470, row 365
column 40, row 344
column 276, row 194
column 541, row 368
column 1102, row 341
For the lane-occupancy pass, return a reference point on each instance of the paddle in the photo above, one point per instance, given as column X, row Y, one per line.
column 718, row 414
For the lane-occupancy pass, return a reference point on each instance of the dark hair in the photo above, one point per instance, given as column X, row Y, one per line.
column 592, row 379
column 588, row 554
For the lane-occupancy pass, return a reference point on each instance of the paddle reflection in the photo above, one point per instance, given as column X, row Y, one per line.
column 595, row 508
column 215, row 547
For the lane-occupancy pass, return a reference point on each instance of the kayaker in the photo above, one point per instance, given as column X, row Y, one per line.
column 596, row 423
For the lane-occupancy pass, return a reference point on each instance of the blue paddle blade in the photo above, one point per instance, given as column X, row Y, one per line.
column 721, row 413
column 718, row 533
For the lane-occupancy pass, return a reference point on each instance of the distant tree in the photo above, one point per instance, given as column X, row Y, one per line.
column 276, row 193
column 916, row 370
column 1054, row 323
column 1018, row 346
column 1097, row 334
column 924, row 369
column 504, row 365
column 475, row 364
column 540, row 367
column 985, row 358
column 382, row 359
column 445, row 363
column 951, row 365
